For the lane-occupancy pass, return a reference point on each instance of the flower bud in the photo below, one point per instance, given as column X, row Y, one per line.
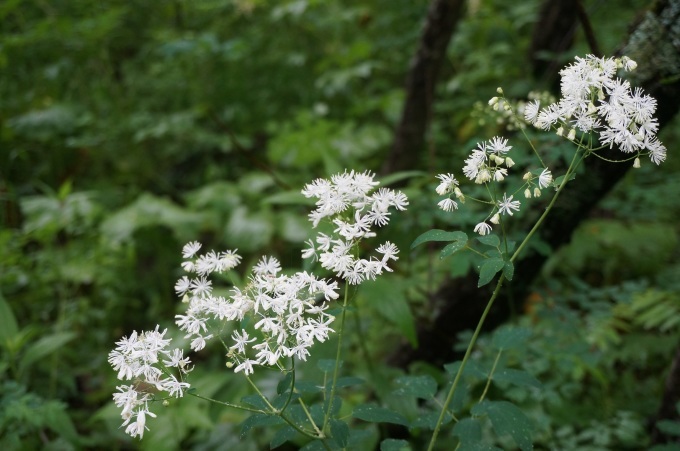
column 230, row 364
column 499, row 90
column 506, row 107
column 493, row 101
column 495, row 218
column 537, row 192
column 459, row 194
column 636, row 163
column 508, row 162
column 572, row 134
column 560, row 131
column 527, row 193
column 591, row 108
column 527, row 176
column 166, row 403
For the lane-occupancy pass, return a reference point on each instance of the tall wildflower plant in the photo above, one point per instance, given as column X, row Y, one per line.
column 273, row 321
column 277, row 317
column 597, row 110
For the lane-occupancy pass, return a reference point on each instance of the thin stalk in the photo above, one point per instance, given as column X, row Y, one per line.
column 488, row 380
column 228, row 404
column 468, row 351
column 338, row 354
column 572, row 166
column 264, row 398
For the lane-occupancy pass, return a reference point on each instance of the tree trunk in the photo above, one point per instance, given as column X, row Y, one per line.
column 459, row 302
column 409, row 140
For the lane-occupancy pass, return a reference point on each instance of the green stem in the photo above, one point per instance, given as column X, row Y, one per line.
column 264, row 398
column 468, row 351
column 572, row 166
column 338, row 354
column 488, row 380
column 227, row 404
column 292, row 385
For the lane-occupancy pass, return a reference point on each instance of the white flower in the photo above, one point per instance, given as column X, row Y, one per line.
column 498, row 145
column 246, row 366
column 545, row 178
column 267, row 265
column 531, row 111
column 448, row 204
column 182, row 286
column 241, row 341
column 447, row 184
column 507, row 205
column 190, row 249
column 482, row 228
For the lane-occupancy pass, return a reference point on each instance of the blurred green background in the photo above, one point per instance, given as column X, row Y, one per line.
column 128, row 128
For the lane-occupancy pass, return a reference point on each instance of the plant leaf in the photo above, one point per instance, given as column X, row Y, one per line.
column 44, row 347
column 340, row 432
column 510, row 337
column 376, row 414
column 509, row 270
column 452, row 248
column 423, row 387
column 393, row 444
column 489, row 269
column 282, row 436
column 490, row 240
column 517, row 377
column 507, row 418
column 438, row 235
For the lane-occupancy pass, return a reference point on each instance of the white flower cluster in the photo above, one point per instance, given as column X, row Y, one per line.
column 486, row 165
column 593, row 100
column 287, row 315
column 146, row 359
column 347, row 202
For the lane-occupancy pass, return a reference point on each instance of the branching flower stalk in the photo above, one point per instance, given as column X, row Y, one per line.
column 623, row 117
column 287, row 314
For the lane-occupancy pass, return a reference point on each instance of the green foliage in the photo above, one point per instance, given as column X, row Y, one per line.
column 128, row 128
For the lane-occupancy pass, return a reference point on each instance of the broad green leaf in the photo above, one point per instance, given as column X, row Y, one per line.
column 507, row 418
column 339, row 432
column 44, row 347
column 347, row 381
column 510, row 337
column 255, row 401
column 490, row 240
column 314, row 445
column 429, row 420
column 307, row 387
column 259, row 419
column 284, row 384
column 8, row 323
column 376, row 414
column 468, row 430
column 419, row 386
column 282, row 436
column 669, row 427
column 393, row 444
column 517, row 377
column 472, row 368
column 509, row 270
column 452, row 248
column 282, row 399
column 387, row 298
column 558, row 181
column 327, row 365
column 438, row 235
column 489, row 269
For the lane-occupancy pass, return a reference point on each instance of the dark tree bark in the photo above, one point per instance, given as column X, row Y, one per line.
column 553, row 35
column 459, row 303
column 409, row 140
